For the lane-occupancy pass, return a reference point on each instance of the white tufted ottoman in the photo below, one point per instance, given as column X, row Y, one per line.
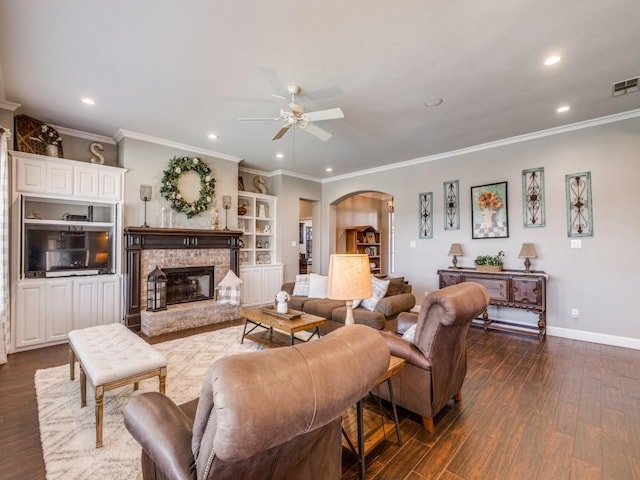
column 112, row 356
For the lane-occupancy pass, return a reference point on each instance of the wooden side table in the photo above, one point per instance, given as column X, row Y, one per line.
column 371, row 438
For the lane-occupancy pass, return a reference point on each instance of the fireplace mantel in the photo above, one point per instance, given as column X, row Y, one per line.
column 138, row 239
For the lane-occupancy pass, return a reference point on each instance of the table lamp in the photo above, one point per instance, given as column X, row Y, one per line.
column 349, row 279
column 527, row 251
column 455, row 250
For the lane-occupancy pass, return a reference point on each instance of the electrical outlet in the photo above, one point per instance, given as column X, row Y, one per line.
column 412, row 244
column 294, row 243
column 576, row 243
column 575, row 313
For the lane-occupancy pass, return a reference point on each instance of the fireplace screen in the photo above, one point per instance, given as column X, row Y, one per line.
column 189, row 284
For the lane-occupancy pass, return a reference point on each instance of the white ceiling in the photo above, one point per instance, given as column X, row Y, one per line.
column 179, row 70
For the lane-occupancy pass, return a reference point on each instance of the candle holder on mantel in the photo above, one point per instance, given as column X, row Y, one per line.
column 145, row 196
column 226, row 204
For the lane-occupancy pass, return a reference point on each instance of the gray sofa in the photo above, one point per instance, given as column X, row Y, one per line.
column 397, row 300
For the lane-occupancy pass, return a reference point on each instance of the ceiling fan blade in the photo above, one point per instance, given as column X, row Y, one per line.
column 251, row 119
column 328, row 114
column 317, row 131
column 281, row 132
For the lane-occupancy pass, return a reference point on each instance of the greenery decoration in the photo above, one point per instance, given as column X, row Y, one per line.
column 171, row 178
column 490, row 260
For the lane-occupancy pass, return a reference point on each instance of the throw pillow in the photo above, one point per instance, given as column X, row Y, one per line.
column 379, row 288
column 301, row 288
column 317, row 285
column 356, row 303
column 410, row 334
column 396, row 286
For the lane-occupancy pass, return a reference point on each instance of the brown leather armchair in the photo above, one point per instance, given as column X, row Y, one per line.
column 272, row 414
column 436, row 363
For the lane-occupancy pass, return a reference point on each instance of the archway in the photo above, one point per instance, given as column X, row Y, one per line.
column 367, row 208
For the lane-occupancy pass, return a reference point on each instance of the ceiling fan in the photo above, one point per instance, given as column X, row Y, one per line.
column 297, row 116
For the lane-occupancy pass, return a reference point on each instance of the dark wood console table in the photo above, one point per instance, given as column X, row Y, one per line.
column 508, row 288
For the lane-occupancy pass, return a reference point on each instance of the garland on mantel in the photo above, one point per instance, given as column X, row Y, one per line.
column 171, row 178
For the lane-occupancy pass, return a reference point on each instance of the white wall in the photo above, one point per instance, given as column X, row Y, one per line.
column 600, row 279
column 145, row 163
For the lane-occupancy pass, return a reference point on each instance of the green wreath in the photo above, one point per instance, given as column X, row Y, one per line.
column 171, row 177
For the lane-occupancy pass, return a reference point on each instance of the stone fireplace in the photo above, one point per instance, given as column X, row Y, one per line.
column 207, row 254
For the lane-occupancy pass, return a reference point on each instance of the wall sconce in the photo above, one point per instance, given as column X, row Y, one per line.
column 226, row 204
column 156, row 291
column 349, row 279
column 145, row 196
column 527, row 251
column 455, row 250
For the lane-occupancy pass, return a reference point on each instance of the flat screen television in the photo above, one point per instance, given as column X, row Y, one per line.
column 67, row 251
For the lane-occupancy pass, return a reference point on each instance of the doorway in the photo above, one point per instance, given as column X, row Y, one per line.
column 305, row 240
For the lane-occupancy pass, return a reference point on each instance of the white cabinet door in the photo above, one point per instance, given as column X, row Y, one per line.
column 86, row 182
column 252, row 278
column 59, row 179
column 109, row 299
column 85, row 302
column 109, row 186
column 58, row 316
column 30, row 176
column 271, row 283
column 30, row 314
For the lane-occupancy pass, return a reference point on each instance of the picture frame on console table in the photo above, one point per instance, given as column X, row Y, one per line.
column 489, row 211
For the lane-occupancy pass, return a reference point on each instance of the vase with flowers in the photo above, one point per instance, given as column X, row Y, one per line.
column 489, row 203
column 50, row 138
column 281, row 302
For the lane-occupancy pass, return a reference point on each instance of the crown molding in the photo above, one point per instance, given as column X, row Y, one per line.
column 86, row 135
column 121, row 134
column 617, row 117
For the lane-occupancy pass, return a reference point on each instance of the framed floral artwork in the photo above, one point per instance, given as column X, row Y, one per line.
column 489, row 211
column 425, row 202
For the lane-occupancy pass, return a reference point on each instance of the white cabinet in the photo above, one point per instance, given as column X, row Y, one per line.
column 66, row 178
column 261, row 283
column 258, row 224
column 66, row 242
column 46, row 310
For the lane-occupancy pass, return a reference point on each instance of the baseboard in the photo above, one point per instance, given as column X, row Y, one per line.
column 592, row 337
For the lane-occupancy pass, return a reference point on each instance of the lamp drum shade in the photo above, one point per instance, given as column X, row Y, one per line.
column 349, row 277
column 528, row 250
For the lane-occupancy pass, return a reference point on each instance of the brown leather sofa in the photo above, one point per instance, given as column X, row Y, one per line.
column 272, row 414
column 436, row 361
column 397, row 300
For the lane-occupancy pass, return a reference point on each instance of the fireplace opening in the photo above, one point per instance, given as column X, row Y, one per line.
column 189, row 284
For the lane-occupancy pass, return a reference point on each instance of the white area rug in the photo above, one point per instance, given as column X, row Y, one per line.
column 68, row 431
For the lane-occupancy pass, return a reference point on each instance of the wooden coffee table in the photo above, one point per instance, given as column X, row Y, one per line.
column 274, row 331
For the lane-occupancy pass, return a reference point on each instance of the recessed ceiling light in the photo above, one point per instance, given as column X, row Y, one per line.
column 213, row 136
column 433, row 102
column 279, row 155
column 329, row 169
column 88, row 101
column 564, row 108
column 552, row 60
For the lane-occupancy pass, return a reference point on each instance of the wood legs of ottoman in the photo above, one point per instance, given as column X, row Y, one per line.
column 161, row 373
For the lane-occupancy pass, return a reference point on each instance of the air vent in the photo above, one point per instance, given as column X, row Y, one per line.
column 624, row 87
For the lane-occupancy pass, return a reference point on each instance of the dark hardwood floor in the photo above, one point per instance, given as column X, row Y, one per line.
column 559, row 410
